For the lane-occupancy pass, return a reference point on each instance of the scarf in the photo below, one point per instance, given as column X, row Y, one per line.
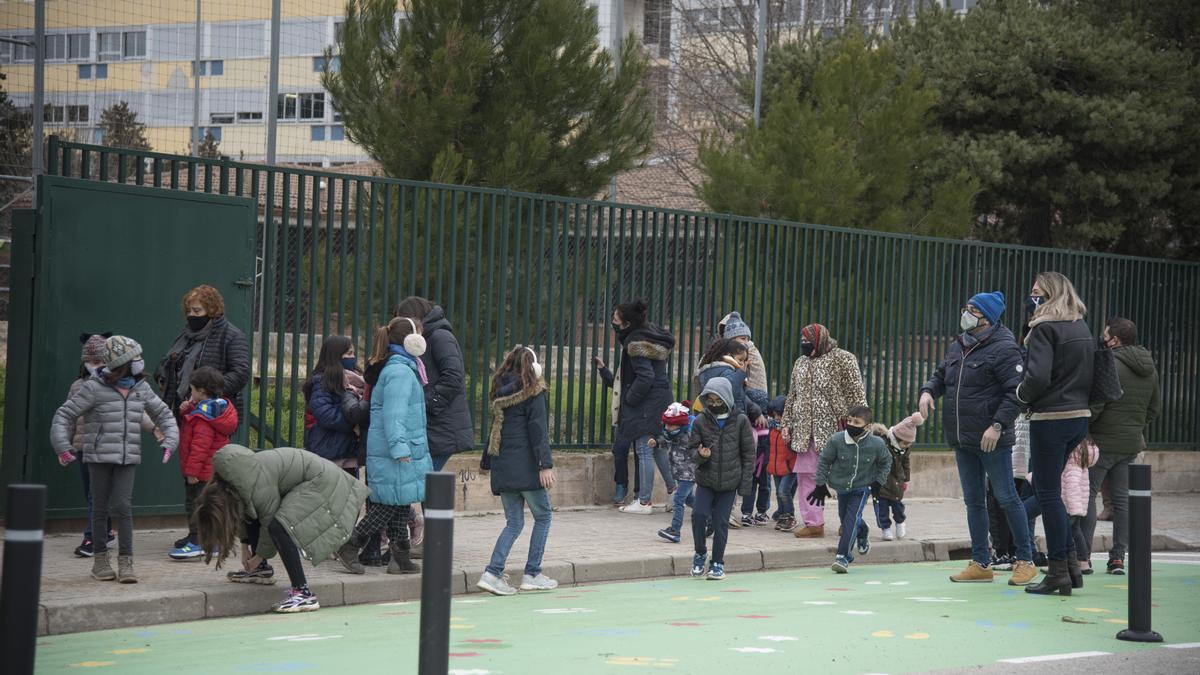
column 353, row 382
column 398, row 350
column 182, row 358
column 970, row 340
column 500, row 404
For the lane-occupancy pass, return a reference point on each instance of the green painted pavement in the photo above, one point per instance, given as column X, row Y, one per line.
column 883, row 619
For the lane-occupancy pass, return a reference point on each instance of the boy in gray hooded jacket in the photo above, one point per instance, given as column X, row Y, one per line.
column 722, row 445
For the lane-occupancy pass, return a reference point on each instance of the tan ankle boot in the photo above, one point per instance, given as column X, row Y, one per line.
column 101, row 570
column 811, row 532
column 125, row 573
column 975, row 573
column 1023, row 573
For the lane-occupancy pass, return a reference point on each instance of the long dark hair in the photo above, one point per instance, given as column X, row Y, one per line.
column 633, row 312
column 414, row 307
column 519, row 361
column 329, row 366
column 219, row 517
column 721, row 348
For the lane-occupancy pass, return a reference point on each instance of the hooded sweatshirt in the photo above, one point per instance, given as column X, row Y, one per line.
column 1117, row 427
column 730, row 439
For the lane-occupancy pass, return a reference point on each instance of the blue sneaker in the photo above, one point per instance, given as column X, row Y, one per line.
column 619, row 495
column 716, row 571
column 864, row 546
column 841, row 564
column 670, row 534
column 697, row 566
column 188, row 551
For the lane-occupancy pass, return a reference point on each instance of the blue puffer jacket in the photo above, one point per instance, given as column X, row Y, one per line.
column 332, row 437
column 398, row 432
column 979, row 387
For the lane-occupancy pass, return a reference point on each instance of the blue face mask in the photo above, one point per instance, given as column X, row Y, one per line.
column 672, row 433
column 350, row 363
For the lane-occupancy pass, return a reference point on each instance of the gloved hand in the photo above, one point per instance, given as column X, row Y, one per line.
column 65, row 458
column 818, row 496
column 166, row 455
column 875, row 487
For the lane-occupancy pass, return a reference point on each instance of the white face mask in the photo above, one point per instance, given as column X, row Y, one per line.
column 137, row 367
column 968, row 321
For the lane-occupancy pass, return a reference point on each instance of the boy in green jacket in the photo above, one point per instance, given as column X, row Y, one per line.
column 856, row 463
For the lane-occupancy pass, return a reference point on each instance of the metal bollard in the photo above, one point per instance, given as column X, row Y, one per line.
column 22, row 577
column 1139, row 557
column 434, row 656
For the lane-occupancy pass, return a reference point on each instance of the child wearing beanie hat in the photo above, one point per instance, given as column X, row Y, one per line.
column 890, row 505
column 673, row 441
column 91, row 360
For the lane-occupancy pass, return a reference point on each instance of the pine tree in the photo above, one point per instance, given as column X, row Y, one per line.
column 504, row 93
column 15, row 142
column 122, row 129
column 848, row 140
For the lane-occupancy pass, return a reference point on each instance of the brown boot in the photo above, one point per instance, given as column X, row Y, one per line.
column 101, row 570
column 974, row 574
column 125, row 573
column 810, row 532
column 348, row 556
column 1023, row 573
column 1074, row 570
column 1057, row 580
column 401, row 562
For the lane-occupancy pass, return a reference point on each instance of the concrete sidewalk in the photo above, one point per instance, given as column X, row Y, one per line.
column 586, row 546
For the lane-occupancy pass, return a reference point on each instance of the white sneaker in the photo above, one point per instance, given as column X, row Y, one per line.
column 887, row 534
column 735, row 520
column 638, row 508
column 495, row 585
column 900, row 531
column 539, row 583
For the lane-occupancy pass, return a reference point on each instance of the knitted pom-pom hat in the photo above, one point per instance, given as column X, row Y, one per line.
column 906, row 429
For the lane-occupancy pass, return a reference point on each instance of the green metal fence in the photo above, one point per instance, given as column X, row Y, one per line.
column 340, row 250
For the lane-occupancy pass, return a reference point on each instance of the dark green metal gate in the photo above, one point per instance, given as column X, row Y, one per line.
column 106, row 257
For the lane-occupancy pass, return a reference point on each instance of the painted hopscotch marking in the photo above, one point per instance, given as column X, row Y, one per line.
column 1053, row 657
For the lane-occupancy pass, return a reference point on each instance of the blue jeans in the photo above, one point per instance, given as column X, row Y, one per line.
column 976, row 470
column 850, row 507
column 620, row 453
column 514, row 514
column 647, row 457
column 785, row 495
column 714, row 506
column 887, row 509
column 1050, row 441
column 682, row 498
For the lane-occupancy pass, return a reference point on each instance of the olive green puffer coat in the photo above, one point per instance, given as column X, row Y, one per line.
column 315, row 500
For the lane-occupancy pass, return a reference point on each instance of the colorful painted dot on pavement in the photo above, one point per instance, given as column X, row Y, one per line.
column 93, row 664
column 132, row 650
column 883, row 634
column 918, row 636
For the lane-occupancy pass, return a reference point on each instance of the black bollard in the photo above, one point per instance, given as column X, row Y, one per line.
column 434, row 657
column 1139, row 557
column 22, row 577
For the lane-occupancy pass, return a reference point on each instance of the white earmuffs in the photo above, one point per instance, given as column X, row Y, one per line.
column 537, row 367
column 414, row 342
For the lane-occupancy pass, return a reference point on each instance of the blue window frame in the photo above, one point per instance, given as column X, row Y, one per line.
column 318, row 133
column 85, row 72
column 215, row 132
column 335, row 64
column 101, row 71
column 337, row 132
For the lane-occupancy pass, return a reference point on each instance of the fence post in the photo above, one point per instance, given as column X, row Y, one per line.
column 22, row 577
column 1139, row 557
column 434, row 656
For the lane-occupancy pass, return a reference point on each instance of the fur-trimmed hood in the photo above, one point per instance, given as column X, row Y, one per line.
column 507, row 400
column 649, row 342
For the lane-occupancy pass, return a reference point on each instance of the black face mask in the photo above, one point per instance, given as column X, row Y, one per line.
column 616, row 326
column 807, row 348
column 855, row 432
column 198, row 322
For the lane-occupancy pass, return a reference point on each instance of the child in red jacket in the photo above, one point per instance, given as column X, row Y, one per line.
column 780, row 464
column 208, row 421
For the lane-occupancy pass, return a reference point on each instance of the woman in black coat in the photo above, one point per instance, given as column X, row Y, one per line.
column 208, row 340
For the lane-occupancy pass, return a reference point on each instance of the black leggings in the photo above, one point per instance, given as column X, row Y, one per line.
column 288, row 552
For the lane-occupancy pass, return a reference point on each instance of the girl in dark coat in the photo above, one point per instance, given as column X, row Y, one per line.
column 334, row 388
column 518, row 457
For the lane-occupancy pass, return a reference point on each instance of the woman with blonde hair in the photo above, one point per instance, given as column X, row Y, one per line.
column 1060, row 353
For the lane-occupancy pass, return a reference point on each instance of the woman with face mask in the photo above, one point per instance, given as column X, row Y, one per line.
column 826, row 384
column 978, row 379
column 207, row 340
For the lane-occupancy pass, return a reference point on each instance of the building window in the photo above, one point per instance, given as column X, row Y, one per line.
column 337, row 132
column 79, row 46
column 339, row 29
column 85, row 72
column 335, row 64
column 249, row 116
column 77, row 114
column 108, row 46
column 10, row 52
column 135, row 45
column 301, row 106
column 118, row 46
column 220, row 118
column 101, row 71
column 54, row 114
column 98, row 71
column 215, row 132
column 212, row 68
column 317, row 133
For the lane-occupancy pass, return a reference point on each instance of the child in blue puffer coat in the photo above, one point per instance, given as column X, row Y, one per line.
column 334, row 387
column 397, row 450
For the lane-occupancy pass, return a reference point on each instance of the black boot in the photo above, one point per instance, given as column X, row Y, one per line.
column 1073, row 570
column 369, row 555
column 1058, row 579
column 401, row 562
column 348, row 555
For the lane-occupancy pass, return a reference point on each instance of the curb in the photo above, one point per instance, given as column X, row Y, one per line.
column 158, row 607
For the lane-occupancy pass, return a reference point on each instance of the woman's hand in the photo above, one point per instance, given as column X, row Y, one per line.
column 704, row 452
column 546, row 478
column 652, row 443
column 251, row 563
column 598, row 362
